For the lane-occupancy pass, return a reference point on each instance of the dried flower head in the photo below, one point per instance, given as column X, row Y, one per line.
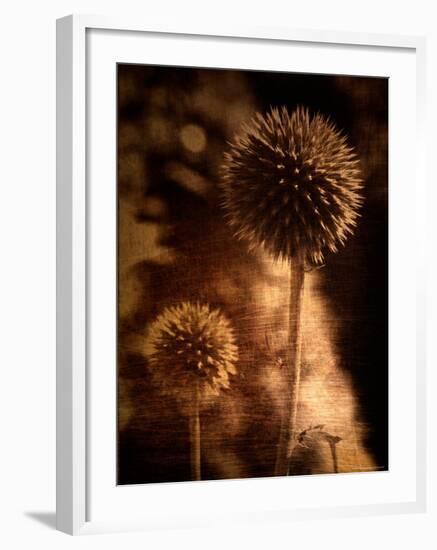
column 191, row 346
column 292, row 185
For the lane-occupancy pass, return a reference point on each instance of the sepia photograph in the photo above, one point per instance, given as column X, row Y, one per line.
column 252, row 274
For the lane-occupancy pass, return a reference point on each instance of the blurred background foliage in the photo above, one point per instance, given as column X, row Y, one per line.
column 173, row 245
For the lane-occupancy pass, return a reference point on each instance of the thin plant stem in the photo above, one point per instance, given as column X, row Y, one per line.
column 293, row 365
column 333, row 448
column 195, row 437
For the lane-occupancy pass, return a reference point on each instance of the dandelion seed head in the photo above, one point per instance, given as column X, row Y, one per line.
column 291, row 184
column 191, row 346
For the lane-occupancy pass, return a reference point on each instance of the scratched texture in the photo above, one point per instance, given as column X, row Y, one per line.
column 174, row 246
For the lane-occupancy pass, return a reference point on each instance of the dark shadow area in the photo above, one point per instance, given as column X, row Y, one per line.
column 45, row 518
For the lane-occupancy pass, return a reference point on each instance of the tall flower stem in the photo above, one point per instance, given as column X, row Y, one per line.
column 194, row 426
column 287, row 434
column 333, row 449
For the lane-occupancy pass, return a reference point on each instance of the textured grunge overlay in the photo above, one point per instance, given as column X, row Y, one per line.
column 252, row 274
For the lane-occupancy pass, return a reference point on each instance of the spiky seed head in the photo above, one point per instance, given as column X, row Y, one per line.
column 191, row 346
column 291, row 184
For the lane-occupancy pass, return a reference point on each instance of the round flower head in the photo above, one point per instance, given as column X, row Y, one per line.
column 191, row 347
column 292, row 185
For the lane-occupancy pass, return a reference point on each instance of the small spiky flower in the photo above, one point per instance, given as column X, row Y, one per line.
column 191, row 345
column 292, row 185
column 191, row 351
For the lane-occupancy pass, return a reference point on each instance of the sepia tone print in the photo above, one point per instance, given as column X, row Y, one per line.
column 252, row 274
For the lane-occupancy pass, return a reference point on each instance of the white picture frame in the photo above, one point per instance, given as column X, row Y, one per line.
column 74, row 343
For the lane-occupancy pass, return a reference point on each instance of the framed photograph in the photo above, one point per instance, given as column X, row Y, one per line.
column 240, row 275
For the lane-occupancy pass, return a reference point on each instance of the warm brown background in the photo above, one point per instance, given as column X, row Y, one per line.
column 173, row 245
